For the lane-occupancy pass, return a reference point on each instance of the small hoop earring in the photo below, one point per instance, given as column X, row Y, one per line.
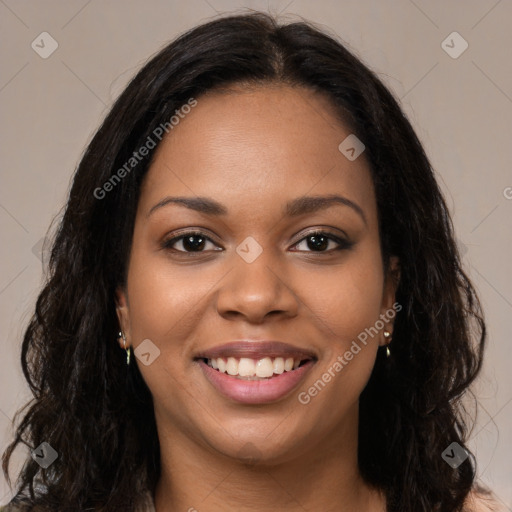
column 387, row 335
column 128, row 350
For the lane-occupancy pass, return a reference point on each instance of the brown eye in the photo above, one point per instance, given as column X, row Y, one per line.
column 196, row 242
column 319, row 241
column 190, row 242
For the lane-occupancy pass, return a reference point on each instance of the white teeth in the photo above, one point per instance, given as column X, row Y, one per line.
column 265, row 367
column 252, row 369
column 246, row 367
column 288, row 364
column 278, row 365
column 232, row 366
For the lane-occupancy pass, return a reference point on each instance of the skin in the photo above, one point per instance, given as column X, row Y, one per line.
column 253, row 150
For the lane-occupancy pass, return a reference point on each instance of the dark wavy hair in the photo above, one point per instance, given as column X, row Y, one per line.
column 97, row 413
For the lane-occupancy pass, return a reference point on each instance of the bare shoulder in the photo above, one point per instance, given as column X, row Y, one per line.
column 18, row 505
column 10, row 508
column 484, row 500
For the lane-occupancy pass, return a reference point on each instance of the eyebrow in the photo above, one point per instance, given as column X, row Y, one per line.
column 294, row 208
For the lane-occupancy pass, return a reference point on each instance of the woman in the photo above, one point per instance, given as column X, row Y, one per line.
column 257, row 225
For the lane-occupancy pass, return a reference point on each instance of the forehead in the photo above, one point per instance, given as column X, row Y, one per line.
column 259, row 146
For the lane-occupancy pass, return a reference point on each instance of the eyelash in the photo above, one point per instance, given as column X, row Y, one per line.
column 343, row 244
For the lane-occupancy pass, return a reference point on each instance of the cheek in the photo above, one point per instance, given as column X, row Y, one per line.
column 347, row 299
column 344, row 304
column 166, row 305
column 163, row 308
column 165, row 301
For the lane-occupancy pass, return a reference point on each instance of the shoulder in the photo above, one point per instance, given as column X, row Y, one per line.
column 483, row 500
column 18, row 505
column 12, row 508
column 23, row 504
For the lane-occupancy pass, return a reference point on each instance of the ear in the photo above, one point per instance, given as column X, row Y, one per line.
column 123, row 313
column 391, row 281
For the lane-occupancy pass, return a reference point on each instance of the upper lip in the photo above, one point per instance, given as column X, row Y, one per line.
column 256, row 350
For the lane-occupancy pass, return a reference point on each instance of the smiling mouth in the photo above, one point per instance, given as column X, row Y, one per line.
column 245, row 368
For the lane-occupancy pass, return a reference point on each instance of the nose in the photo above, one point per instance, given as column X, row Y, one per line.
column 257, row 290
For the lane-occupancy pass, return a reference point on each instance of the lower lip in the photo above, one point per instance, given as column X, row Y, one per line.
column 255, row 391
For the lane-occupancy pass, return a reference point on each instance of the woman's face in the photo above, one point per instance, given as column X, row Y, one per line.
column 256, row 273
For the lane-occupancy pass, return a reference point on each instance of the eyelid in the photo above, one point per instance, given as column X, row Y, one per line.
column 179, row 235
column 327, row 232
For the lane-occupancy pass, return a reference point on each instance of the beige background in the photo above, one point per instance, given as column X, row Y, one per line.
column 461, row 109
